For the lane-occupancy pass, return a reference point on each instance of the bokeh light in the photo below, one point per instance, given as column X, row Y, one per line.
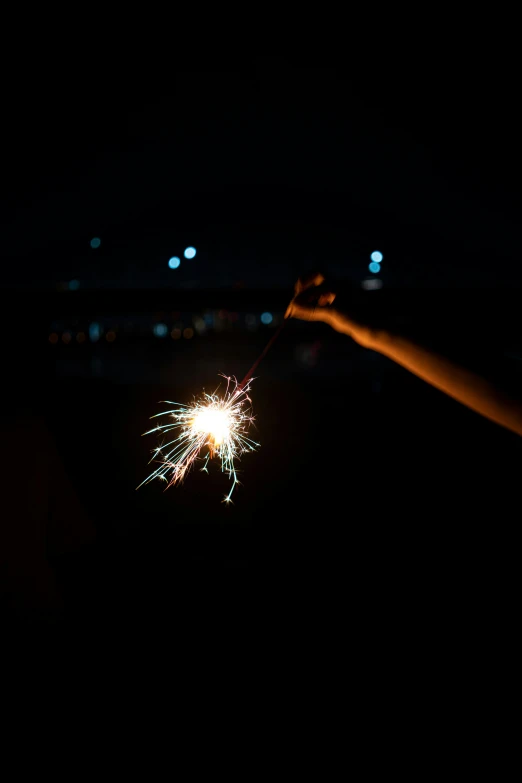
column 199, row 324
column 189, row 252
column 371, row 284
column 174, row 262
column 160, row 330
column 94, row 332
column 266, row 318
column 374, row 267
column 95, row 242
column 377, row 256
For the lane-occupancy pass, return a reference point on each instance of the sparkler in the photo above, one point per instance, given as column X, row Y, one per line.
column 211, row 426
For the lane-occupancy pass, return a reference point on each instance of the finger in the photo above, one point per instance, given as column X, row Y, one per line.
column 326, row 299
column 308, row 281
column 317, row 295
column 308, row 313
column 316, row 298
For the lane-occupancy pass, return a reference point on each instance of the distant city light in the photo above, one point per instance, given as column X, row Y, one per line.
column 374, row 267
column 377, row 256
column 160, row 330
column 266, row 318
column 371, row 284
column 95, row 242
column 199, row 324
column 190, row 252
column 94, row 332
column 174, row 262
column 74, row 285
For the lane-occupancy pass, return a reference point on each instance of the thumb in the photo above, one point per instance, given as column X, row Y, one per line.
column 311, row 304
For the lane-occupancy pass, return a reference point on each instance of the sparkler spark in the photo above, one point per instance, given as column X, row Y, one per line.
column 211, row 426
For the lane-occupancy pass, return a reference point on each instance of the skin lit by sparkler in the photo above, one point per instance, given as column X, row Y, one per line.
column 211, row 426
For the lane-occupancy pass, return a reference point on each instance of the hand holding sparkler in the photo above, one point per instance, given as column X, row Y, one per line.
column 314, row 300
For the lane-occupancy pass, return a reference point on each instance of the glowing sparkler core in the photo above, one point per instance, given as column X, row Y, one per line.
column 217, row 423
column 214, row 421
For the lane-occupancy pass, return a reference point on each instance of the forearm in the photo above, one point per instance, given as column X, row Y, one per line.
column 463, row 385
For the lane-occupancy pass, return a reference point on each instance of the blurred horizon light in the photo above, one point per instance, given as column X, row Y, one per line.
column 160, row 330
column 371, row 284
column 94, row 332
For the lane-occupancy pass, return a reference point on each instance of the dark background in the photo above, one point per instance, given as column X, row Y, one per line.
column 372, row 495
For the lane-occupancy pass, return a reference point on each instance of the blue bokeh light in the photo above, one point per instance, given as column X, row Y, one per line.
column 266, row 318
column 94, row 332
column 95, row 242
column 160, row 330
column 377, row 256
column 189, row 252
column 374, row 267
column 174, row 262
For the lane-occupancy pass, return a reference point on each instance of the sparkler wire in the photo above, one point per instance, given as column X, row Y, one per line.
column 267, row 347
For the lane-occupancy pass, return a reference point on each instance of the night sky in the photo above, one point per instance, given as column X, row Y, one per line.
column 372, row 495
column 265, row 163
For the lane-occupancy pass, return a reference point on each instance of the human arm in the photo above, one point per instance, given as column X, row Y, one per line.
column 315, row 300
